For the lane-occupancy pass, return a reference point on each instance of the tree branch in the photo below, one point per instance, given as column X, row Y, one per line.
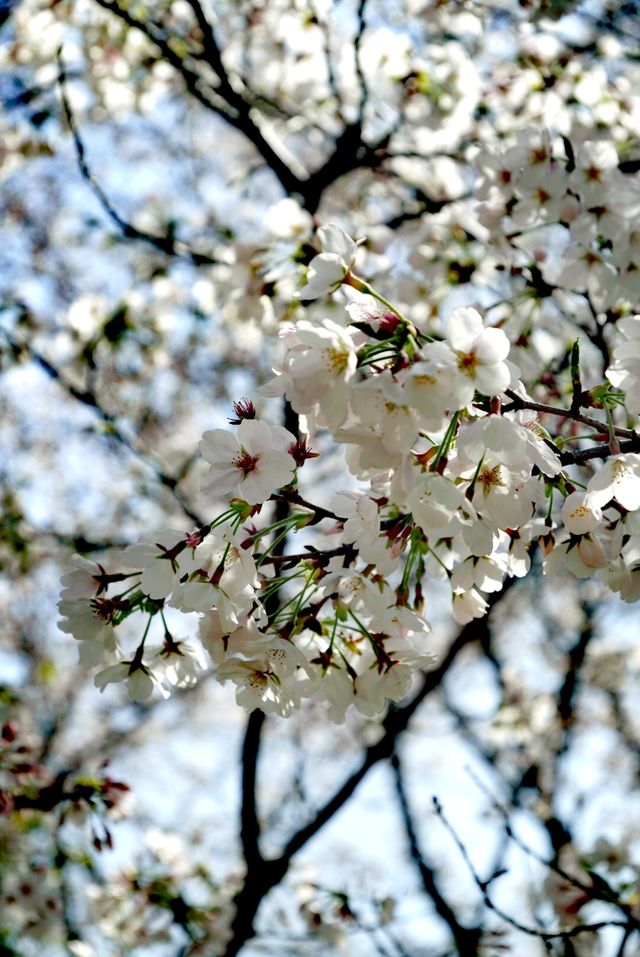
column 483, row 887
column 467, row 939
column 224, row 102
column 89, row 399
column 165, row 244
column 250, row 826
column 518, row 402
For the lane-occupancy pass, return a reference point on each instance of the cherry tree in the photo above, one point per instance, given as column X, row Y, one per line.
column 320, row 347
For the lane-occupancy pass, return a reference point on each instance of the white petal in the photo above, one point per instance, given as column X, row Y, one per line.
column 217, row 445
column 463, row 328
column 335, row 240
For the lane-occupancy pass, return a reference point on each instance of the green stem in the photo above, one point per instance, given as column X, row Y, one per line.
column 277, row 584
column 362, row 286
column 379, row 357
column 224, row 517
column 364, row 630
column 408, row 565
column 123, row 594
column 297, row 601
column 446, row 442
column 614, row 444
column 439, row 560
column 472, row 486
column 137, row 658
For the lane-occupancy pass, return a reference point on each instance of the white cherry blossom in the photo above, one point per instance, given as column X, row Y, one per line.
column 83, row 619
column 318, row 367
column 325, row 363
column 162, row 561
column 251, row 463
column 480, row 353
column 258, row 685
column 467, row 605
column 518, row 444
column 83, row 580
column 139, row 681
column 622, row 575
column 619, row 479
column 434, row 385
column 579, row 514
column 595, row 168
column 436, row 502
column 382, row 406
column 373, row 689
column 502, row 494
column 581, row 557
column 363, row 517
column 327, row 270
column 182, row 663
column 624, row 371
column 485, row 573
column 222, row 642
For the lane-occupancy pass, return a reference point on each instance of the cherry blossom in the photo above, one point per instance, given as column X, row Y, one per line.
column 579, row 514
column 480, row 354
column 258, row 685
column 439, row 505
column 328, row 269
column 251, row 463
column 162, row 561
column 183, row 662
column 624, row 371
column 318, row 368
column 460, row 473
column 138, row 679
column 619, row 479
column 88, row 623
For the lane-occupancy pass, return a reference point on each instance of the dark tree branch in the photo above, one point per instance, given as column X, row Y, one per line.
column 624, row 727
column 268, row 873
column 423, row 205
column 518, row 402
column 629, row 931
column 89, row 399
column 575, row 662
column 483, row 887
column 331, row 76
column 357, row 43
column 233, row 109
column 598, row 452
column 467, row 939
column 250, row 826
column 599, row 890
column 350, row 152
column 165, row 244
column 214, row 58
column 395, row 723
column 261, row 875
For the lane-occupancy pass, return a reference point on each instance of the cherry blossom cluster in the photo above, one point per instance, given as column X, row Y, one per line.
column 574, row 209
column 29, row 895
column 459, row 476
column 164, row 887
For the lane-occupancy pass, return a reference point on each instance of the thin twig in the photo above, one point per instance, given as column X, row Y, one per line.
column 165, row 244
column 467, row 939
column 89, row 399
column 518, row 403
column 483, row 887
